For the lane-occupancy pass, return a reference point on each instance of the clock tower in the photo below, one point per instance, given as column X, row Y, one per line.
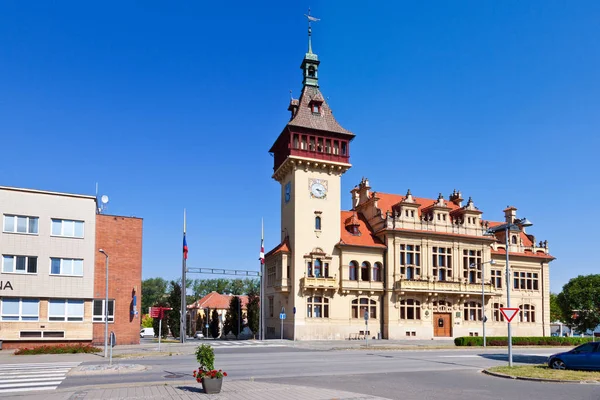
column 310, row 156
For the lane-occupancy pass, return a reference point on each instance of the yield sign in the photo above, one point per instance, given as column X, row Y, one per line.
column 509, row 312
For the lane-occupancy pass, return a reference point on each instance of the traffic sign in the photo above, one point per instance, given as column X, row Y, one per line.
column 282, row 315
column 366, row 315
column 509, row 312
column 158, row 312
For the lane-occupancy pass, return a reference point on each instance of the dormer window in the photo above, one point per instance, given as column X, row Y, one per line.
column 315, row 108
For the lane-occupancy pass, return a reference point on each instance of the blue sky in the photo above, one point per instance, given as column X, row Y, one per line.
column 175, row 104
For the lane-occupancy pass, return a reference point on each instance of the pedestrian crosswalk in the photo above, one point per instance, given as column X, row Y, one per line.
column 40, row 376
column 232, row 344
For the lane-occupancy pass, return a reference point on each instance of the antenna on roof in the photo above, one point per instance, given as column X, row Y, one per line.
column 103, row 203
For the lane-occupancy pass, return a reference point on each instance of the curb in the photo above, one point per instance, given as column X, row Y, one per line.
column 524, row 378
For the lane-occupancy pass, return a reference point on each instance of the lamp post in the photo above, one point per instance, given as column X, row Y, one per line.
column 516, row 225
column 491, row 262
column 105, row 308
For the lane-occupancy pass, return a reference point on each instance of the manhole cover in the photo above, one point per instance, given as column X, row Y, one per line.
column 174, row 376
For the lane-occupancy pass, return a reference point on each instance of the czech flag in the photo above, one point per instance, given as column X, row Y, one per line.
column 185, row 248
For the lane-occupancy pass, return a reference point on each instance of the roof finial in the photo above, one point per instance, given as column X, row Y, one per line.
column 310, row 19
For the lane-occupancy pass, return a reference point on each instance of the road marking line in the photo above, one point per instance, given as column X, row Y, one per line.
column 26, row 389
column 30, row 384
column 29, row 379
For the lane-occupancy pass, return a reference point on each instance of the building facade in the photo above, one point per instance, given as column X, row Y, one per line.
column 49, row 248
column 406, row 266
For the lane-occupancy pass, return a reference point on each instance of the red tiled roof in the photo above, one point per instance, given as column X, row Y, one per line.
column 283, row 247
column 526, row 254
column 323, row 120
column 387, row 201
column 366, row 237
column 215, row 300
column 441, row 233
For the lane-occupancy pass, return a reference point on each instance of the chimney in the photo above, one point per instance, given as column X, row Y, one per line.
column 510, row 214
column 456, row 198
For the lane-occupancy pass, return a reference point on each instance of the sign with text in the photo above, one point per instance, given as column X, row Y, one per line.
column 158, row 312
column 509, row 312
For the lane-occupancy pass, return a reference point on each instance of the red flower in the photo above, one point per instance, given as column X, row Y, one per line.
column 224, row 373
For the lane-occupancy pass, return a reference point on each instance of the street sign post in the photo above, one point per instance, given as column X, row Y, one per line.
column 294, row 322
column 113, row 341
column 509, row 313
column 282, row 317
column 367, row 328
column 159, row 312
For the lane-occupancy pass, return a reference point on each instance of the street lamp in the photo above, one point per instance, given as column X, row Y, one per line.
column 491, row 262
column 105, row 308
column 516, row 225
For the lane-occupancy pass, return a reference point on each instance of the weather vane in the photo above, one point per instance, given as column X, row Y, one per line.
column 310, row 19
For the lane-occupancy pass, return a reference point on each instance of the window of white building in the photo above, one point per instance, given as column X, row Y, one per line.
column 66, row 266
column 65, row 310
column 21, row 224
column 67, row 228
column 15, row 309
column 19, row 264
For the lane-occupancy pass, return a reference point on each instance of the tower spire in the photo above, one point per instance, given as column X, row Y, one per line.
column 310, row 19
column 310, row 64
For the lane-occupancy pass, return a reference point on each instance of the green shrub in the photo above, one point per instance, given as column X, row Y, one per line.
column 522, row 341
column 205, row 357
column 59, row 349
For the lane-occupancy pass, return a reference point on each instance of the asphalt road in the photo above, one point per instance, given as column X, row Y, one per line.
column 424, row 374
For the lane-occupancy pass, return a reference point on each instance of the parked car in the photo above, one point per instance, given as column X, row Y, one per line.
column 585, row 356
column 147, row 332
column 199, row 335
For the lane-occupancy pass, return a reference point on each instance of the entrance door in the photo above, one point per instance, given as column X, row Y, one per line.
column 441, row 325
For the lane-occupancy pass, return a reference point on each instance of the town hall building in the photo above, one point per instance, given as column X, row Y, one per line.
column 414, row 267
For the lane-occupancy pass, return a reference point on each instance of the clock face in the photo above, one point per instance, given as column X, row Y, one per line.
column 318, row 189
column 288, row 191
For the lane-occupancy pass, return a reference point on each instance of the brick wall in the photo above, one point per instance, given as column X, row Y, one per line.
column 121, row 239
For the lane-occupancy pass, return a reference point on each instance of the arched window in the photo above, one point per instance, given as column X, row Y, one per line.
column 442, row 306
column 410, row 309
column 472, row 311
column 377, row 272
column 498, row 316
column 514, row 239
column 362, row 305
column 318, row 223
column 352, row 267
column 364, row 271
column 317, row 307
column 318, row 271
column 527, row 313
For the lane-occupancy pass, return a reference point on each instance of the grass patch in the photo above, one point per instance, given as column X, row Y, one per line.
column 544, row 372
column 166, row 341
column 147, row 354
column 58, row 349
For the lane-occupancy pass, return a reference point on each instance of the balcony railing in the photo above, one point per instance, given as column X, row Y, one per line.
column 318, row 283
column 444, row 287
column 361, row 285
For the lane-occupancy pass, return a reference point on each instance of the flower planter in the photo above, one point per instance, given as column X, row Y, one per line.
column 212, row 386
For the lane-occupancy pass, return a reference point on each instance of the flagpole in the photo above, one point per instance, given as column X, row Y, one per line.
column 262, row 265
column 182, row 330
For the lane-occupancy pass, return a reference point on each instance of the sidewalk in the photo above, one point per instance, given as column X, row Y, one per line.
column 232, row 390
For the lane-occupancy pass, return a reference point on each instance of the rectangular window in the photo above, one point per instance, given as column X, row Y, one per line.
column 442, row 263
column 67, row 228
column 99, row 311
column 410, row 255
column 65, row 310
column 66, row 266
column 526, row 281
column 19, row 264
column 271, row 306
column 15, row 309
column 497, row 278
column 21, row 224
column 472, row 265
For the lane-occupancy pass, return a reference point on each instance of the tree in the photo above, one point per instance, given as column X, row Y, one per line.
column 202, row 287
column 147, row 321
column 174, row 317
column 253, row 309
column 579, row 302
column 236, row 287
column 555, row 312
column 153, row 291
column 214, row 324
column 251, row 285
column 233, row 316
column 200, row 323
